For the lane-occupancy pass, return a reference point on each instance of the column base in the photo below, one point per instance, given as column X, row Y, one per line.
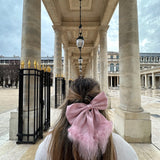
column 13, row 125
column 52, row 102
column 133, row 127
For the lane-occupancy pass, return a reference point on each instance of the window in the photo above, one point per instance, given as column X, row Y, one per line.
column 156, row 59
column 112, row 67
column 142, row 59
column 117, row 67
column 149, row 59
column 111, row 57
column 117, row 57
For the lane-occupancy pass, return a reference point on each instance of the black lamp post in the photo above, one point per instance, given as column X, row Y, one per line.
column 80, row 42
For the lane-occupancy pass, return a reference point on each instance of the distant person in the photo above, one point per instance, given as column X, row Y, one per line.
column 84, row 131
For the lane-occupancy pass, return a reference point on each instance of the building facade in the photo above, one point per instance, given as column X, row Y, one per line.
column 149, row 67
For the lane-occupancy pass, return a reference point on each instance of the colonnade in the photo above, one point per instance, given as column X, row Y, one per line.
column 130, row 121
column 150, row 81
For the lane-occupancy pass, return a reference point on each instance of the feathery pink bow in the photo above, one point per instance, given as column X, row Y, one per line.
column 89, row 129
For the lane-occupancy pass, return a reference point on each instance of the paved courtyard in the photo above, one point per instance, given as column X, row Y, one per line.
column 10, row 151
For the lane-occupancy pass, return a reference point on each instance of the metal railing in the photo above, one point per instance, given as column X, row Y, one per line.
column 46, row 97
column 34, row 105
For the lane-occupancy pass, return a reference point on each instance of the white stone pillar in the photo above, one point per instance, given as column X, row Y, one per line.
column 103, row 60
column 117, row 81
column 30, row 50
column 104, row 63
column 30, row 44
column 92, row 68
column 153, row 81
column 4, row 83
column 146, row 81
column 31, row 32
column 142, row 81
column 71, row 68
column 111, row 82
column 95, row 63
column 57, row 65
column 69, row 64
column 129, row 56
column 66, row 68
column 149, row 82
column 129, row 120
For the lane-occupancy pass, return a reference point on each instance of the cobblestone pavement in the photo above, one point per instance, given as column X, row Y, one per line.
column 10, row 151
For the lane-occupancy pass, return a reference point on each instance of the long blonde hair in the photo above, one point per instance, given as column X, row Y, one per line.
column 82, row 90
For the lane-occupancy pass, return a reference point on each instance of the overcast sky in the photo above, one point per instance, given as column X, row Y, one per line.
column 11, row 27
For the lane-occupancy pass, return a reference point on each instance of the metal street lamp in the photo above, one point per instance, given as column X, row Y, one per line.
column 80, row 42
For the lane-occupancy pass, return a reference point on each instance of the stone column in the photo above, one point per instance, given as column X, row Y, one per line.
column 69, row 65
column 4, row 83
column 95, row 62
column 66, row 68
column 71, row 68
column 31, row 32
column 9, row 81
column 30, row 50
column 130, row 120
column 129, row 56
column 142, row 81
column 149, row 82
column 92, row 68
column 57, row 65
column 146, row 82
column 111, row 82
column 103, row 60
column 31, row 43
column 104, row 63
column 153, row 81
column 117, row 81
column 98, row 66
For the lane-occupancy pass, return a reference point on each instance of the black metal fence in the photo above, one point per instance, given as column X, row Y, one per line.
column 34, row 105
column 46, row 98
